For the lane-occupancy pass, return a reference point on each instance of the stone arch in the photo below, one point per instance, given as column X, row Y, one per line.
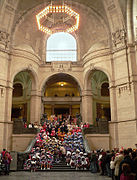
column 92, row 87
column 22, row 108
column 72, row 76
column 32, row 73
column 89, row 73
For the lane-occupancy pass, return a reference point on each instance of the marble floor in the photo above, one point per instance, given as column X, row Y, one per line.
column 53, row 176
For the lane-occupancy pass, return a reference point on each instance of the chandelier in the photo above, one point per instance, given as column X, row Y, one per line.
column 57, row 18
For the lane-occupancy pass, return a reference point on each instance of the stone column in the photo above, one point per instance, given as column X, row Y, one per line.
column 2, row 117
column 5, row 94
column 113, row 125
column 87, row 109
column 35, row 106
column 6, row 125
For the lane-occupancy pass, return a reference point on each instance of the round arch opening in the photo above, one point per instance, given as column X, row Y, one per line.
column 61, row 95
column 22, row 86
column 101, row 97
column 61, row 46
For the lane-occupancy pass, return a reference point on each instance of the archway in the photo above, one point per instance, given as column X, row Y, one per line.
column 101, row 97
column 95, row 97
column 22, row 86
column 61, row 95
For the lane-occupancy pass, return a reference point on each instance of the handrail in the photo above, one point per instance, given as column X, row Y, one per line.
column 30, row 146
column 85, row 142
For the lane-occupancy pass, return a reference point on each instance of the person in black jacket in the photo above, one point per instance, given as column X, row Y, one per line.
column 127, row 159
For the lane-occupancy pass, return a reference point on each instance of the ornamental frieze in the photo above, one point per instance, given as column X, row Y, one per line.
column 61, row 66
column 124, row 89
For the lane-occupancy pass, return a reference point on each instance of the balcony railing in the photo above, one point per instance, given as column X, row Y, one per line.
column 61, row 99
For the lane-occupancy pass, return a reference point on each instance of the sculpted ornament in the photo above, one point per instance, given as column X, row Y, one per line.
column 119, row 37
column 4, row 38
column 124, row 89
column 61, row 66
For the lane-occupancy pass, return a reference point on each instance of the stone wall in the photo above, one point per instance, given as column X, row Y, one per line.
column 21, row 141
column 98, row 141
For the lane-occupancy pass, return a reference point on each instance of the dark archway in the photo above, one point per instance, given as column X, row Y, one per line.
column 22, row 86
column 61, row 93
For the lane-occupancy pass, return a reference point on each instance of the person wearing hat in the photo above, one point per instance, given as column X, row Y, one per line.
column 33, row 164
column 68, row 158
column 73, row 161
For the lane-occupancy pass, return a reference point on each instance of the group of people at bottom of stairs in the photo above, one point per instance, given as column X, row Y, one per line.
column 5, row 161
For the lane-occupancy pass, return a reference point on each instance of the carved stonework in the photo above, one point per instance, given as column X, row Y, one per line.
column 92, row 66
column 111, row 7
column 30, row 67
column 4, row 38
column 119, row 37
column 124, row 89
column 61, row 66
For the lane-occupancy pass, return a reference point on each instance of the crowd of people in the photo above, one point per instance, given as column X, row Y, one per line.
column 117, row 164
column 60, row 140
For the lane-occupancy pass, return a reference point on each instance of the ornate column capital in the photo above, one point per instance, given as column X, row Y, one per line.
column 119, row 37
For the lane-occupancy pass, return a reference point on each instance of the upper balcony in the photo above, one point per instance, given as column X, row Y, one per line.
column 61, row 100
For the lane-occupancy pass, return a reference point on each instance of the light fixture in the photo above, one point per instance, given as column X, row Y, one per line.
column 56, row 9
column 61, row 84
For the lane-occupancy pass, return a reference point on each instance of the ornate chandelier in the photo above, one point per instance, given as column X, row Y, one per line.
column 57, row 18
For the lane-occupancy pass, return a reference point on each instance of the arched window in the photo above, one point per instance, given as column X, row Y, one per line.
column 105, row 89
column 61, row 47
column 17, row 90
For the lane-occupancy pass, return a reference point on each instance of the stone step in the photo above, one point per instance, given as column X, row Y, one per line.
column 62, row 167
column 57, row 166
column 59, row 169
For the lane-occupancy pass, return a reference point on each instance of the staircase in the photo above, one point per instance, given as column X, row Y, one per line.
column 62, row 166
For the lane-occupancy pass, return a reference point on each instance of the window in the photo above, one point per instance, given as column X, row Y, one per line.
column 17, row 90
column 61, row 47
column 105, row 89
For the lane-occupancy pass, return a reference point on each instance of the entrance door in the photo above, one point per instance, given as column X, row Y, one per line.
column 61, row 111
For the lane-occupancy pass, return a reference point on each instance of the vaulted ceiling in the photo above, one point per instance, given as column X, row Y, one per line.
column 98, row 20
